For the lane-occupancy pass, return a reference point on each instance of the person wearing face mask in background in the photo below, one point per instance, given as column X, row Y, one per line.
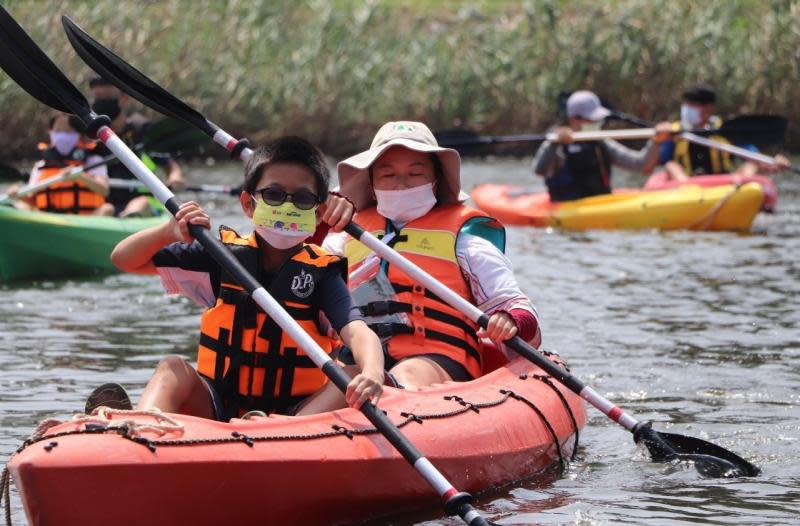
column 682, row 159
column 407, row 190
column 245, row 361
column 108, row 100
column 573, row 170
column 81, row 193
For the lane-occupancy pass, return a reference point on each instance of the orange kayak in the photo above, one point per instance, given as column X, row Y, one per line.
column 332, row 468
column 660, row 181
column 689, row 207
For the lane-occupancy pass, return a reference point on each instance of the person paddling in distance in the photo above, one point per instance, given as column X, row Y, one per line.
column 108, row 100
column 245, row 361
column 81, row 192
column 407, row 190
column 682, row 159
column 574, row 170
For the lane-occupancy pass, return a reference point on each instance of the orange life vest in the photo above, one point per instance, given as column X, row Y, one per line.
column 429, row 242
column 252, row 363
column 68, row 197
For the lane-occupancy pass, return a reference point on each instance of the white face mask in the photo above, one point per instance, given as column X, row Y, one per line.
column 279, row 238
column 403, row 206
column 64, row 142
column 592, row 126
column 690, row 116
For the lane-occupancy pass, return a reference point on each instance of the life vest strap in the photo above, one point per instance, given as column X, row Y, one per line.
column 260, row 359
column 231, row 296
column 384, row 308
column 388, row 330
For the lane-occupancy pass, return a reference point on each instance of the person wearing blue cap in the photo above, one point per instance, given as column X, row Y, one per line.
column 574, row 170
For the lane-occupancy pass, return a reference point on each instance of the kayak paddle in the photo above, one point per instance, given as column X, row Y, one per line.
column 130, row 80
column 69, row 173
column 133, row 184
column 709, row 459
column 759, row 130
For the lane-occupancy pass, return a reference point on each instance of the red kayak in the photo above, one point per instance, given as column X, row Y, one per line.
column 125, row 468
column 661, row 181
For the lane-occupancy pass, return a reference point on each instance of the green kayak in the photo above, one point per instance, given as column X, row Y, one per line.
column 44, row 245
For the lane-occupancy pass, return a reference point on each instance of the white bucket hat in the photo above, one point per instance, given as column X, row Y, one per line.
column 354, row 180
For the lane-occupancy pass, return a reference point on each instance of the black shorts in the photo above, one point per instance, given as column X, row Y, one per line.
column 455, row 370
column 219, row 407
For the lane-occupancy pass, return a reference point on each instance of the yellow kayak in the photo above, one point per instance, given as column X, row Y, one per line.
column 689, row 207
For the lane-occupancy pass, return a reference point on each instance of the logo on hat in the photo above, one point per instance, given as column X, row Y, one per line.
column 303, row 284
column 404, row 127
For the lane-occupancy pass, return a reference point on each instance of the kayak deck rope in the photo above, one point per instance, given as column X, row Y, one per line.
column 101, row 423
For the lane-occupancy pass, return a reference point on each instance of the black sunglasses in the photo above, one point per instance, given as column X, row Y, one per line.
column 274, row 196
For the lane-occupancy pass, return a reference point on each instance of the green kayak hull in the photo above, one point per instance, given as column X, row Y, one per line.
column 43, row 245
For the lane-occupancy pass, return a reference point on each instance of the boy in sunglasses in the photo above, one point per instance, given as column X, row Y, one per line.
column 245, row 361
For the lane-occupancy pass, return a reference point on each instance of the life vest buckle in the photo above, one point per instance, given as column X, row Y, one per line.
column 377, row 308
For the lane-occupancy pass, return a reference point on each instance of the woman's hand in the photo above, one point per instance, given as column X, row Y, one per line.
column 365, row 386
column 501, row 327
column 337, row 211
column 189, row 213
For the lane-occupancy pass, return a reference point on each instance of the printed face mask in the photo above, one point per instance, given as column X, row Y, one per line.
column 109, row 106
column 403, row 206
column 690, row 116
column 283, row 226
column 64, row 142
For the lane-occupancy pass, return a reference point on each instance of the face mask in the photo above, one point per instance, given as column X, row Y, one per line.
column 690, row 116
column 64, row 142
column 284, row 226
column 108, row 107
column 592, row 126
column 403, row 206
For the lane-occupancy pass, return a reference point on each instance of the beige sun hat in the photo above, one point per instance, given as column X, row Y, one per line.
column 354, row 180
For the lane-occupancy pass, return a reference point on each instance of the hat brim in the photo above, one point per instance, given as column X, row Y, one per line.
column 354, row 180
column 599, row 114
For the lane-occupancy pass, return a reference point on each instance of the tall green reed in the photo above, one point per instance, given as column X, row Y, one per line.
column 334, row 71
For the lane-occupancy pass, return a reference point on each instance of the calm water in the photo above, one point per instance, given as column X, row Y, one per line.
column 699, row 332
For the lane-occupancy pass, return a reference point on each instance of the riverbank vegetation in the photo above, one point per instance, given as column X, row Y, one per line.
column 334, row 70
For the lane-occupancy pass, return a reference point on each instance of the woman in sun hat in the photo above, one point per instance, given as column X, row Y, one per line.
column 407, row 190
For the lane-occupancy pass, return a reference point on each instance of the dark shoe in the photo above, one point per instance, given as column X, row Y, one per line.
column 110, row 395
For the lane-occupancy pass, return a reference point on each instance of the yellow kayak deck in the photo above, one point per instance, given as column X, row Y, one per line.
column 689, row 207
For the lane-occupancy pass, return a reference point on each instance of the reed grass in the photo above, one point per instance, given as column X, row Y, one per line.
column 333, row 71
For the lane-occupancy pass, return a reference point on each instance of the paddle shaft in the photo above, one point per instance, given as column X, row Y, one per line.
column 134, row 184
column 476, row 315
column 38, row 187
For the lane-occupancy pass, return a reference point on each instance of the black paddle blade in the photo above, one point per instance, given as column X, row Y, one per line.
column 172, row 135
column 27, row 64
column 759, row 130
column 709, row 459
column 8, row 172
column 130, row 80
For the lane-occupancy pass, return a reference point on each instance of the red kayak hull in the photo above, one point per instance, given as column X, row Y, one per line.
column 300, row 478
